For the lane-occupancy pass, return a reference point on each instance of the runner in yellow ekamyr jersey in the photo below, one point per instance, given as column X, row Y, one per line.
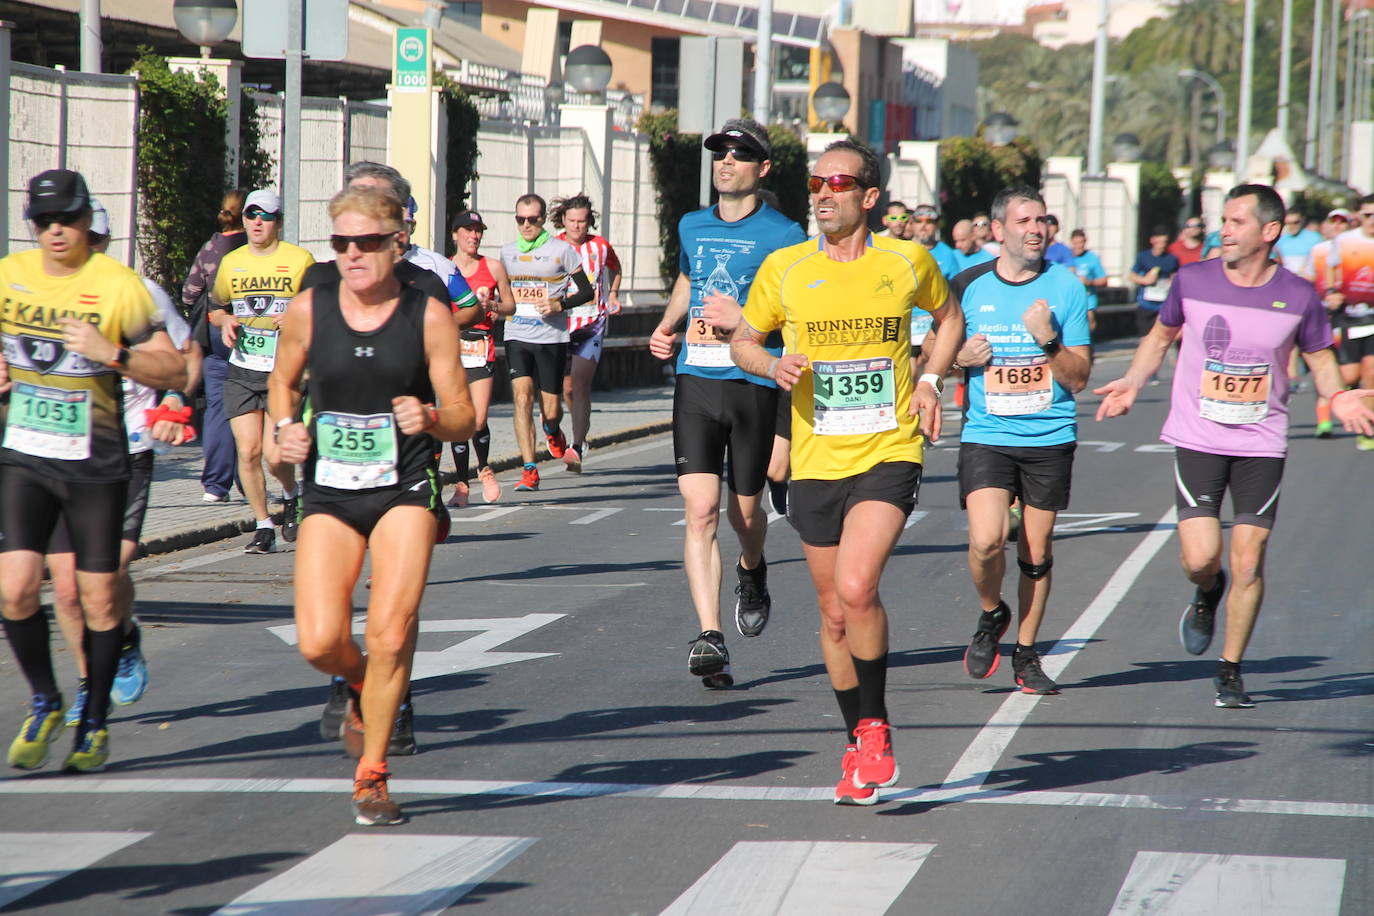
column 73, row 323
column 252, row 289
column 844, row 303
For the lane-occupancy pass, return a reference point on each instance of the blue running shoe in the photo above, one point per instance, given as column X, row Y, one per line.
column 78, row 707
column 42, row 725
column 131, row 677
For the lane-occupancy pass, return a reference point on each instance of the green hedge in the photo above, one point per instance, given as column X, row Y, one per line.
column 181, row 149
column 676, row 160
column 461, row 151
column 972, row 171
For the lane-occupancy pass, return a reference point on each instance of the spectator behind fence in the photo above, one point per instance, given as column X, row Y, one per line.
column 217, row 442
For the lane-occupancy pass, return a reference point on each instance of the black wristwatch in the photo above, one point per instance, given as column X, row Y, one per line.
column 1052, row 346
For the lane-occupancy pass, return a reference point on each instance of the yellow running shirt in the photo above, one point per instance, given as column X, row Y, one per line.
column 258, row 289
column 63, row 417
column 851, row 320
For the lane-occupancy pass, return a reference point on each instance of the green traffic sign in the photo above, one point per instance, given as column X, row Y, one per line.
column 412, row 60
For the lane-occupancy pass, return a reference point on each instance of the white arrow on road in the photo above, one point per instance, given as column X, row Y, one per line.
column 470, row 654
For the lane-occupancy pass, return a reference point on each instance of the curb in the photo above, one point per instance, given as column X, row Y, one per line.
column 208, row 534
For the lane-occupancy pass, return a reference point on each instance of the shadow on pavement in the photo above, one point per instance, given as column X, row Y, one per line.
column 1200, row 670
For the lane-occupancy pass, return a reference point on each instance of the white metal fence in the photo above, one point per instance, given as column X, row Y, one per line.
column 80, row 121
column 1101, row 203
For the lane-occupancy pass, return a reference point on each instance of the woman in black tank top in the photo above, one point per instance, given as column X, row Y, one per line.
column 380, row 357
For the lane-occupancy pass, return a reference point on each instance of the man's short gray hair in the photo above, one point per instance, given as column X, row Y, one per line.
column 386, row 173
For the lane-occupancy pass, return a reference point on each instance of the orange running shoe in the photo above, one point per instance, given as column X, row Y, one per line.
column 558, row 443
column 529, row 479
column 372, row 804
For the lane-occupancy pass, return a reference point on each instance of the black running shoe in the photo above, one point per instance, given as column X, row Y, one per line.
column 1230, row 689
column 1025, row 666
column 710, row 660
column 982, row 657
column 403, row 734
column 1200, row 617
column 777, row 491
column 264, row 541
column 334, row 709
column 351, row 732
column 290, row 508
column 751, row 610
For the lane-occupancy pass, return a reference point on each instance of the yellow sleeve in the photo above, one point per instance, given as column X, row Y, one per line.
column 138, row 314
column 221, row 292
column 763, row 310
column 931, row 287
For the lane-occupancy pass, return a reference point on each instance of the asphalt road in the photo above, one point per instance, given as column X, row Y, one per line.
column 570, row 765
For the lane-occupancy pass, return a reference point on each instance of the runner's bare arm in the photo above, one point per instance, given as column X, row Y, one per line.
column 452, row 418
column 949, row 332
column 746, row 349
column 1149, row 356
column 283, row 385
column 1353, row 413
column 1070, row 365
column 505, row 304
column 665, row 335
column 156, row 362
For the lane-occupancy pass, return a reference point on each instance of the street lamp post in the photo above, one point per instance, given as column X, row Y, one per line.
column 205, row 22
column 1000, row 128
column 831, row 101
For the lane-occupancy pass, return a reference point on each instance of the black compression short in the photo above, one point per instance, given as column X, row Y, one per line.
column 817, row 508
column 362, row 510
column 1201, row 479
column 716, row 419
column 135, row 506
column 542, row 362
column 1040, row 475
column 32, row 504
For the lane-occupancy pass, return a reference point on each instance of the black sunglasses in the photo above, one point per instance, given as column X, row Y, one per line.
column 740, row 153
column 367, row 244
column 530, row 220
column 44, row 220
column 264, row 215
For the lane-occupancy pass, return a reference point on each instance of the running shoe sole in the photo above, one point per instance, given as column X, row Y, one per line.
column 996, row 648
column 718, row 681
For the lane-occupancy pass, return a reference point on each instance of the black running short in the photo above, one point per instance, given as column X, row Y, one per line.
column 362, row 510
column 135, row 506
column 477, row 373
column 542, row 362
column 32, row 504
column 1039, row 475
column 1350, row 351
column 1144, row 320
column 784, row 427
column 244, row 393
column 716, row 419
column 1201, row 479
column 816, row 508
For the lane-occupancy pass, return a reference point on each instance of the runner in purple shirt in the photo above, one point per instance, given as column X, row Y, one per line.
column 1228, row 416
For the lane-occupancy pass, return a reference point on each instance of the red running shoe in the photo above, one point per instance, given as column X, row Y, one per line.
column 876, row 768
column 845, row 791
column 558, row 443
column 529, row 480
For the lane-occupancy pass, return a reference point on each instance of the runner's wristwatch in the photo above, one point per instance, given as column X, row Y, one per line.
column 934, row 381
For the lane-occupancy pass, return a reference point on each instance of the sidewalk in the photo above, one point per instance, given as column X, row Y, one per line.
column 178, row 518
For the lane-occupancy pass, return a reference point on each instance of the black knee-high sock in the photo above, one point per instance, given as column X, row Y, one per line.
column 29, row 639
column 460, row 459
column 849, row 710
column 481, row 443
column 872, row 686
column 102, row 660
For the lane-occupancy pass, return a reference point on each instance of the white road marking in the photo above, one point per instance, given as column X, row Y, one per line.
column 30, row 862
column 594, row 516
column 566, row 584
column 1155, row 448
column 685, row 791
column 1087, row 522
column 818, row 879
column 914, row 518
column 469, row 655
column 1194, row 884
column 486, row 516
column 368, row 875
column 1099, row 445
column 979, row 758
column 183, row 565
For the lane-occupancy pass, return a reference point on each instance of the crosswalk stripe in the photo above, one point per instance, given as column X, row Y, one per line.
column 30, row 862
column 486, row 516
column 845, row 879
column 1197, row 884
column 369, row 875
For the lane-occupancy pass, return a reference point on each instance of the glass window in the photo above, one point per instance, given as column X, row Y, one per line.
column 664, row 53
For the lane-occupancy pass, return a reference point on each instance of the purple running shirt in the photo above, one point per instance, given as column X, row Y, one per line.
column 1230, row 390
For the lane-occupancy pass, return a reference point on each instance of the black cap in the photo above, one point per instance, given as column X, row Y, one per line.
column 57, row 191
column 468, row 219
column 744, row 131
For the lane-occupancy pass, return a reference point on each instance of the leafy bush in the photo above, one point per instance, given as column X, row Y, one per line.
column 1161, row 199
column 181, row 149
column 257, row 168
column 461, row 150
column 972, row 171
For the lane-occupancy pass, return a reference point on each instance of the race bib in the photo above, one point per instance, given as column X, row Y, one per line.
column 529, row 296
column 473, row 353
column 1158, row 292
column 853, row 396
column 355, row 452
column 1018, row 386
column 256, row 349
column 1234, row 394
column 707, row 347
column 49, row 422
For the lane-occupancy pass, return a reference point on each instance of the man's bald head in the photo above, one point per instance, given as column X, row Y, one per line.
column 962, row 236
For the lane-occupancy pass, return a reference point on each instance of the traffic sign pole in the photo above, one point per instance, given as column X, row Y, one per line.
column 412, row 130
column 291, row 123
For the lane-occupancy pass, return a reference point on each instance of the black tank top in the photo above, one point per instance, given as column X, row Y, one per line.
column 353, row 375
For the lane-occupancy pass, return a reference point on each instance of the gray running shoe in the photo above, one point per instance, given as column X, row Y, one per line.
column 1199, row 618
